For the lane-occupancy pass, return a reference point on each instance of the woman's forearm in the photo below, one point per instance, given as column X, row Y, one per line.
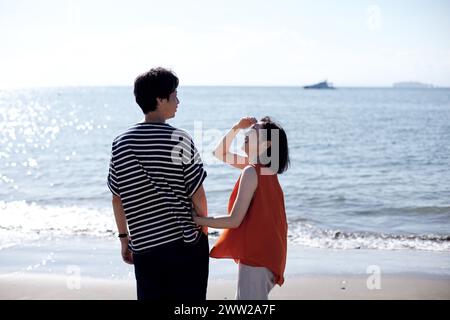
column 224, row 145
column 222, row 222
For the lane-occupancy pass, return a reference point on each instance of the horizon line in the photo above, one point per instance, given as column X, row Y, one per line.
column 217, row 86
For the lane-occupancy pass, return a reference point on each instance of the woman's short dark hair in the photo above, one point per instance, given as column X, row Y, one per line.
column 284, row 161
column 156, row 83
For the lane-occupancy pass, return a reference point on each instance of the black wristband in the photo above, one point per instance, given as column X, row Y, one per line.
column 123, row 235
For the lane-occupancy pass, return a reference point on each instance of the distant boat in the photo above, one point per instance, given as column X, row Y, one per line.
column 321, row 85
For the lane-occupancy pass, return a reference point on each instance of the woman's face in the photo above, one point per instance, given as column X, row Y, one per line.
column 253, row 145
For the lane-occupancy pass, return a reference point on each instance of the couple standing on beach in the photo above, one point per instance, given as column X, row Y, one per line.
column 156, row 176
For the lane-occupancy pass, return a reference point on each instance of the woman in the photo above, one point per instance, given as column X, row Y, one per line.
column 255, row 234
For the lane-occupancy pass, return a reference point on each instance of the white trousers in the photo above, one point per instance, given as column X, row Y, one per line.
column 254, row 283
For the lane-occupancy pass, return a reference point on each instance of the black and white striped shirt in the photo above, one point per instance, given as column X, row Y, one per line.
column 155, row 169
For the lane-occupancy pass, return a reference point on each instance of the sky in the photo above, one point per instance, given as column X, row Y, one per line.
column 233, row 42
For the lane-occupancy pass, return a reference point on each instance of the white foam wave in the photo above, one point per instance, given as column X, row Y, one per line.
column 308, row 235
column 21, row 221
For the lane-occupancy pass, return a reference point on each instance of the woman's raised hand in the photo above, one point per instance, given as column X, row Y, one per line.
column 245, row 123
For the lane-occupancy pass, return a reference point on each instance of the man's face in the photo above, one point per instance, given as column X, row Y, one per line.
column 169, row 106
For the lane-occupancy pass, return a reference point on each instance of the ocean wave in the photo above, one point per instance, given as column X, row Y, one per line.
column 21, row 221
column 309, row 235
column 403, row 211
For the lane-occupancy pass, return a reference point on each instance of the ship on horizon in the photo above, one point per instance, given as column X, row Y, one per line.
column 321, row 85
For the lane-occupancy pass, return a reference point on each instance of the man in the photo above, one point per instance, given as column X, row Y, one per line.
column 156, row 178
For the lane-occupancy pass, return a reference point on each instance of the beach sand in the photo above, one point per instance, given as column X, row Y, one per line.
column 41, row 286
column 48, row 270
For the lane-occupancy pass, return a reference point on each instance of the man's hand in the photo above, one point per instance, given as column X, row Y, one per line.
column 127, row 255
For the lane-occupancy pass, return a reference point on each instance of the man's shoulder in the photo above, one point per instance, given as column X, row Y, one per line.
column 141, row 131
column 123, row 135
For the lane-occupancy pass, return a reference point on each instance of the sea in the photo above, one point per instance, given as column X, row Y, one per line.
column 370, row 167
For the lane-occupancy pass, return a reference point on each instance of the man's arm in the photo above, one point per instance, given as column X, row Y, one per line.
column 121, row 222
column 200, row 204
column 199, row 201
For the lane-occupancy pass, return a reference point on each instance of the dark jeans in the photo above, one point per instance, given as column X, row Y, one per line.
column 175, row 271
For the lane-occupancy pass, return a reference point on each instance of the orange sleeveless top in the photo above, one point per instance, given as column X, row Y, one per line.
column 261, row 239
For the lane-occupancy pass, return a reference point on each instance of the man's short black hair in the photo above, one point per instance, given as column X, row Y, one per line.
column 156, row 83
